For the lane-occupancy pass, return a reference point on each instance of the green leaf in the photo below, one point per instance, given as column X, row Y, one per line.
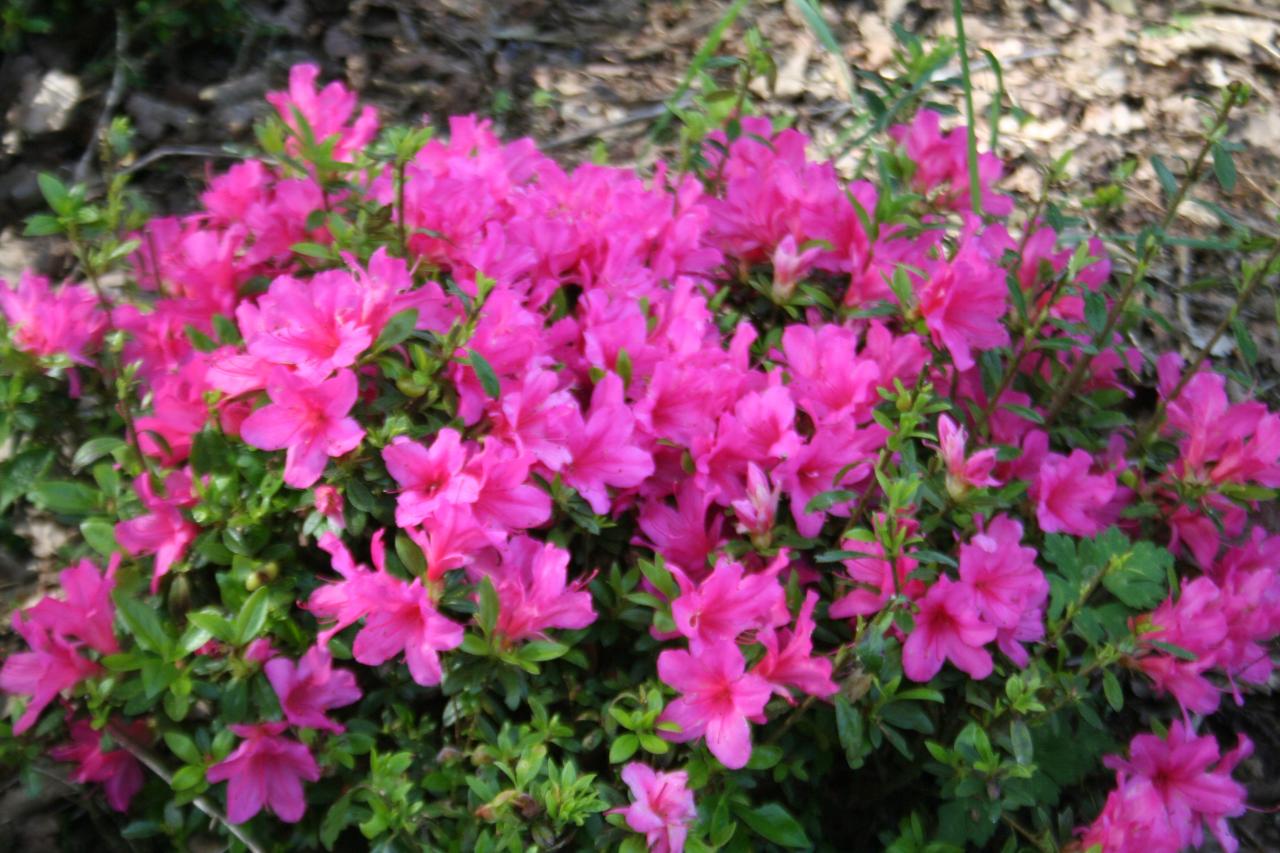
column 825, row 500
column 1244, row 341
column 662, row 580
column 484, row 372
column 184, row 747
column 543, row 650
column 100, row 534
column 622, row 748
column 187, row 777
column 55, row 193
column 1023, row 411
column 487, row 614
column 1168, row 182
column 850, row 728
column 42, row 225
column 252, row 617
column 213, row 622
column 764, row 756
column 774, row 823
column 411, row 555
column 1223, row 167
column 398, row 328
column 66, row 497
column 1177, row 651
column 1020, row 738
column 94, row 449
column 312, row 250
column 1095, row 312
column 1111, row 689
column 1139, row 578
column 143, row 623
column 193, row 638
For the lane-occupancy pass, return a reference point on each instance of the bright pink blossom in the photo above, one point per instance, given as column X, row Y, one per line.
column 963, row 302
column 534, row 593
column 602, row 450
column 310, row 687
column 1068, row 498
column 729, row 602
column 718, row 699
column 52, row 666
column 164, row 531
column 85, row 612
column 948, row 627
column 327, row 112
column 963, row 473
column 788, row 660
column 311, row 420
column 429, row 477
column 267, row 769
column 119, row 772
column 662, row 806
column 1008, row 587
column 45, row 322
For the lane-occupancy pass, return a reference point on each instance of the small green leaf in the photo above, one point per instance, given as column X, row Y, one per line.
column 1244, row 341
column 397, row 329
column 487, row 613
column 66, row 497
column 184, row 747
column 94, row 449
column 55, row 193
column 411, row 555
column 825, row 500
column 213, row 622
column 1111, row 689
column 484, row 372
column 252, row 617
column 142, row 621
column 42, row 225
column 774, row 823
column 1223, row 167
column 622, row 748
column 1177, row 651
column 187, row 777
column 1020, row 738
column 312, row 250
column 100, row 534
column 1168, row 182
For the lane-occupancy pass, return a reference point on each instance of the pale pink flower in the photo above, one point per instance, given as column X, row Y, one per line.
column 662, row 806
column 310, row 687
column 119, row 772
column 267, row 769
column 948, row 627
column 1006, row 582
column 756, row 512
column 310, row 420
column 718, row 699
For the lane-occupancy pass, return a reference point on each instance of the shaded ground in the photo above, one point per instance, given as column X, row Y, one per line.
column 1110, row 80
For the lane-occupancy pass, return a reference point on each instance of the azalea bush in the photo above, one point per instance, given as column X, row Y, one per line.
column 429, row 495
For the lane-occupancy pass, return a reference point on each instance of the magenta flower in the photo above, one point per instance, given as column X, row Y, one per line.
column 534, row 594
column 877, row 581
column 788, row 660
column 1008, row 587
column 86, row 611
column 505, row 500
column 948, row 628
column 1168, row 790
column 119, row 772
column 429, row 478
column 729, row 602
column 789, row 266
column 46, row 322
column 359, row 592
column 309, row 419
column 329, row 503
column 316, row 325
column 602, row 450
column 164, row 531
column 1068, row 498
column 265, row 770
column 718, row 699
column 683, row 534
column 662, row 806
column 327, row 112
column 52, row 666
column 963, row 302
column 963, row 473
column 310, row 687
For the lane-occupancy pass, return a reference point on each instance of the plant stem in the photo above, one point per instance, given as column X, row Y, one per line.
column 152, row 763
column 971, row 131
column 1257, row 277
column 1152, row 245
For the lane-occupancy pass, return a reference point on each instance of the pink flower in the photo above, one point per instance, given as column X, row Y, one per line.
column 118, row 771
column 360, row 591
column 1168, row 790
column 259, row 650
column 1008, row 587
column 756, row 512
column 601, row 448
column 310, row 419
column 86, row 611
column 329, row 503
column 942, row 165
column 327, row 112
column 789, row 266
column 164, row 531
column 682, row 533
column 718, row 697
column 729, row 602
column 963, row 302
column 834, row 458
column 533, row 591
column 316, row 325
column 948, row 628
column 1068, row 498
column 962, row 473
column 877, row 581
column 265, row 770
column 505, row 500
column 52, row 666
column 788, row 660
column 68, row 321
column 429, row 477
column 310, row 687
column 662, row 806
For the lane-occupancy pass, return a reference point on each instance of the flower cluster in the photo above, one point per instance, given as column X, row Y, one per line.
column 685, row 434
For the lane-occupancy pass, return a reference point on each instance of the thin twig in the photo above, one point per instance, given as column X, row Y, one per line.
column 114, row 94
column 176, row 151
column 152, row 763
